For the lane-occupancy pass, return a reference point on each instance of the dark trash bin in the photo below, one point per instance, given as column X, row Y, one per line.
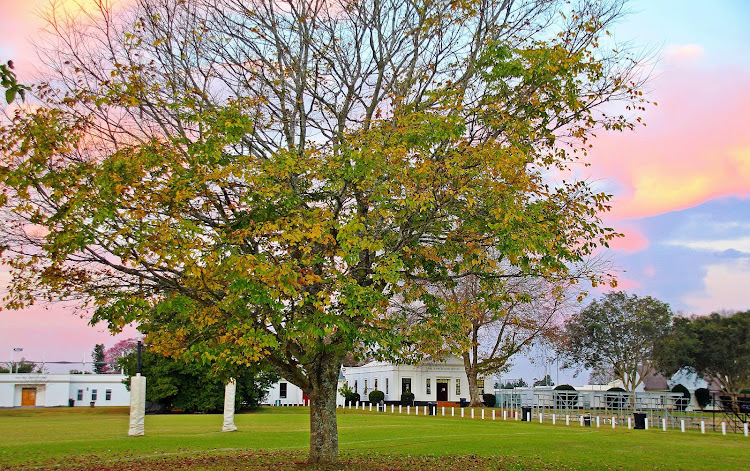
column 525, row 413
column 640, row 420
column 92, row 403
column 587, row 421
column 432, row 408
column 71, row 402
column 463, row 402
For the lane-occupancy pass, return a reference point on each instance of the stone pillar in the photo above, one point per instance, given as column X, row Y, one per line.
column 230, row 390
column 137, row 405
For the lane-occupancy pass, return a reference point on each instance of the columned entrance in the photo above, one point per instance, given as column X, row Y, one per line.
column 442, row 389
column 28, row 397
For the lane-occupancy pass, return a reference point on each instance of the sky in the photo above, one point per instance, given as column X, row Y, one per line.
column 681, row 183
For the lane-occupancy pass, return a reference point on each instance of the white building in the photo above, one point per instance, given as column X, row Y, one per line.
column 429, row 381
column 284, row 393
column 56, row 390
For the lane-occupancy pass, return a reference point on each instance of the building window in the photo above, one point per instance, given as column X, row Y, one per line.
column 282, row 390
column 429, row 390
column 93, row 394
column 405, row 385
column 108, row 395
column 480, row 386
column 365, row 391
column 80, row 394
column 386, row 385
column 376, row 383
column 356, row 386
column 458, row 387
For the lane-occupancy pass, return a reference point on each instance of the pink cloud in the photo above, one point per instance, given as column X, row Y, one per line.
column 684, row 54
column 694, row 148
column 634, row 240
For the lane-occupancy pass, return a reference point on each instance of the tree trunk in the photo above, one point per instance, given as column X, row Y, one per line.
column 324, row 438
column 471, row 376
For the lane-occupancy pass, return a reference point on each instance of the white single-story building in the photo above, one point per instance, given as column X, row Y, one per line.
column 429, row 381
column 56, row 390
column 284, row 393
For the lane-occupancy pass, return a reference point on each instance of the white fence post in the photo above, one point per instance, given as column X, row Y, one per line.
column 614, row 421
column 408, row 410
column 682, row 425
column 745, row 427
column 392, row 408
column 554, row 419
column 581, row 421
column 371, row 407
column 703, row 426
column 646, row 423
column 505, row 414
column 567, row 419
column 462, row 412
column 723, row 428
column 482, row 414
column 472, row 412
column 443, row 411
column 664, row 424
column 541, row 417
column 629, row 424
column 493, row 415
column 399, row 408
column 416, row 410
column 425, row 410
column 453, row 411
column 597, row 421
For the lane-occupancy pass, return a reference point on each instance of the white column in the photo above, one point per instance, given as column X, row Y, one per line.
column 137, row 405
column 230, row 390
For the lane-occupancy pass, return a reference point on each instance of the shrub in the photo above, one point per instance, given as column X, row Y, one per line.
column 567, row 397
column 615, row 401
column 407, row 398
column 703, row 397
column 489, row 400
column 682, row 402
column 376, row 396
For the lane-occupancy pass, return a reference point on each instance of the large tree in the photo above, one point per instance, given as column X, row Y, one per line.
column 618, row 333
column 715, row 347
column 255, row 179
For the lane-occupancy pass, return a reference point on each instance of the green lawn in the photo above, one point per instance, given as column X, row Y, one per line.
column 277, row 438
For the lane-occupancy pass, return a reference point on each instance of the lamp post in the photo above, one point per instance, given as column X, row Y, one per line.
column 13, row 360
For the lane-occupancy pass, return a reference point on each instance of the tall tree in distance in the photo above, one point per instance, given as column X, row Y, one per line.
column 97, row 357
column 715, row 347
column 255, row 180
column 618, row 333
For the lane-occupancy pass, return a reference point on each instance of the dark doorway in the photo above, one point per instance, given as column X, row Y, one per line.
column 405, row 385
column 442, row 390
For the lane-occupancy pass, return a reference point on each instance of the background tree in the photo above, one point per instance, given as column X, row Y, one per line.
column 97, row 357
column 715, row 347
column 21, row 366
column 546, row 381
column 619, row 333
column 487, row 322
column 190, row 387
column 255, row 180
column 119, row 350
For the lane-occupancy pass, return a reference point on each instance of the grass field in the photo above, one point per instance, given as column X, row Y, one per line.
column 277, row 438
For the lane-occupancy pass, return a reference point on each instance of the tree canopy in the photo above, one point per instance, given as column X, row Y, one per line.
column 619, row 333
column 256, row 180
column 715, row 347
